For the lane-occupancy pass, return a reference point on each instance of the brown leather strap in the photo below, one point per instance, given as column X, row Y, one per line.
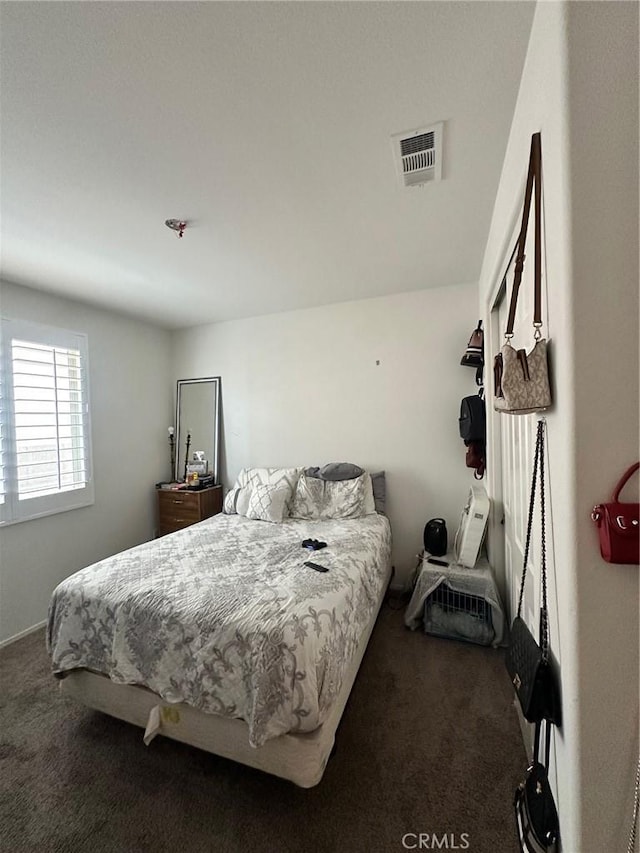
column 533, row 178
column 537, row 292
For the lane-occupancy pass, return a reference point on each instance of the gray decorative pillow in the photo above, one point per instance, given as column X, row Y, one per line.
column 320, row 500
column 266, row 502
column 336, row 471
column 379, row 483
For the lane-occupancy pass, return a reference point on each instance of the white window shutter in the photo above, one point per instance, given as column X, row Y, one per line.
column 45, row 420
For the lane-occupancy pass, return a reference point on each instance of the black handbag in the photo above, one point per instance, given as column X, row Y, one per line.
column 472, row 422
column 527, row 661
column 532, row 676
column 535, row 809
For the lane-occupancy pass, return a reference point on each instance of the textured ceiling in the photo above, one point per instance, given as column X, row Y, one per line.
column 267, row 126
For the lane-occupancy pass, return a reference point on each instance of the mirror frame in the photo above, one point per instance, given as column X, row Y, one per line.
column 215, row 462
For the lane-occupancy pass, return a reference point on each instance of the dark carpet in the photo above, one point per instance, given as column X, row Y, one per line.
column 429, row 743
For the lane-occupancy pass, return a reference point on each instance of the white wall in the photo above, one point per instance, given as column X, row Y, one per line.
column 303, row 388
column 580, row 89
column 131, row 408
column 603, row 104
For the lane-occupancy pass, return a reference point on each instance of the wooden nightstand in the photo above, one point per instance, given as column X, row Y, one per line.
column 181, row 508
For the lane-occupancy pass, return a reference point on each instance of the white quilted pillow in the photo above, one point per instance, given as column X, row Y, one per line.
column 266, row 503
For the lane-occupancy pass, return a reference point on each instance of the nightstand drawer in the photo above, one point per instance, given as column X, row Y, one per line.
column 170, row 525
column 179, row 515
column 169, row 500
column 168, row 511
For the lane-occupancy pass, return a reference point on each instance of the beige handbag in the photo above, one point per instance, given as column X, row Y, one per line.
column 521, row 378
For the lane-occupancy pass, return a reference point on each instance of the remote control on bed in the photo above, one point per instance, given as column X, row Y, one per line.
column 316, row 567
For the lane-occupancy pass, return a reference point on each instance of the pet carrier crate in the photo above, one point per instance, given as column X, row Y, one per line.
column 458, row 616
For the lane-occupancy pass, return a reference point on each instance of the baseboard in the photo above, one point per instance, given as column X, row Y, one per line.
column 22, row 634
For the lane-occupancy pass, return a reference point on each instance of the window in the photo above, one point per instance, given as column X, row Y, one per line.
column 45, row 434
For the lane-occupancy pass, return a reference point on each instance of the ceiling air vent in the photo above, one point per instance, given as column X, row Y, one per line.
column 418, row 155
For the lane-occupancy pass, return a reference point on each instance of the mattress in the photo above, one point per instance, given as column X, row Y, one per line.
column 300, row 758
column 224, row 617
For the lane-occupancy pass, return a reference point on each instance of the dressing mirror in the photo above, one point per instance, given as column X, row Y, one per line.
column 198, row 416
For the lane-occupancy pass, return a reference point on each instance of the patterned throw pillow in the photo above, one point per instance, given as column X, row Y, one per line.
column 320, row 500
column 369, row 503
column 282, row 477
column 266, row 503
column 229, row 507
column 237, row 501
column 308, row 498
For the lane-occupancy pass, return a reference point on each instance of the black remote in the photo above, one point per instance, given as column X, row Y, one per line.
column 316, row 567
column 437, row 562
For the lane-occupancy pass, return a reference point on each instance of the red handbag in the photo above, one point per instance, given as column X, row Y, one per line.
column 475, row 458
column 619, row 526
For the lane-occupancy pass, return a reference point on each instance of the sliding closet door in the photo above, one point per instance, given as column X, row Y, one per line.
column 518, row 440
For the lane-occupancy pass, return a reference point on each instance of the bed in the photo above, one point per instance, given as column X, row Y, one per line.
column 219, row 636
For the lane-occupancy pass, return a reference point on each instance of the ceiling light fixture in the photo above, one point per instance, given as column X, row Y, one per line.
column 176, row 225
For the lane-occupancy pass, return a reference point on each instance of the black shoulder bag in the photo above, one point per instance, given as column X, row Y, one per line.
column 528, row 662
column 473, row 431
column 472, row 423
column 536, row 813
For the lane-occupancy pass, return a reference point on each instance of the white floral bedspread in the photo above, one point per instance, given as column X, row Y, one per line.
column 225, row 617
